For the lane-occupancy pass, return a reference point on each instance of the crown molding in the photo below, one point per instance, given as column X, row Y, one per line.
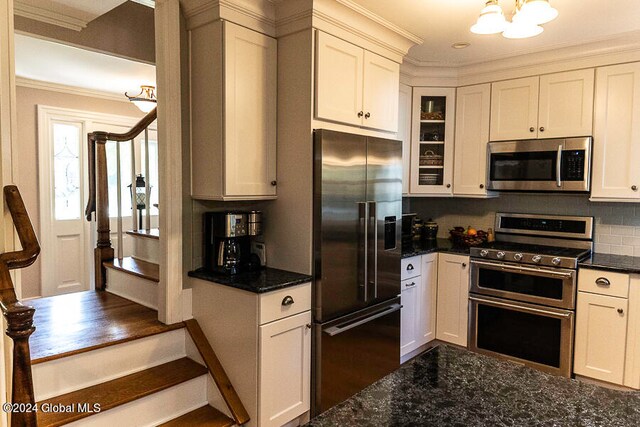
column 563, row 57
column 258, row 15
column 148, row 3
column 48, row 16
column 69, row 90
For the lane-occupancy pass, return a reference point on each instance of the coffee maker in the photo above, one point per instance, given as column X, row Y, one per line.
column 226, row 242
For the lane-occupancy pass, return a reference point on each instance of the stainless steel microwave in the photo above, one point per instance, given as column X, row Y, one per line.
column 540, row 165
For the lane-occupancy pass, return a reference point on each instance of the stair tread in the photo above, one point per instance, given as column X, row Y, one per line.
column 153, row 233
column 206, row 416
column 137, row 267
column 83, row 321
column 121, row 390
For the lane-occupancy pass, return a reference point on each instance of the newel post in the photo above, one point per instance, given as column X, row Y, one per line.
column 19, row 329
column 104, row 250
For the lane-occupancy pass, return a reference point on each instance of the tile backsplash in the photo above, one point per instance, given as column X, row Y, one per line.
column 617, row 228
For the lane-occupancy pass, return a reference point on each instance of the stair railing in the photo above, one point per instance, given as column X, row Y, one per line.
column 98, row 200
column 19, row 317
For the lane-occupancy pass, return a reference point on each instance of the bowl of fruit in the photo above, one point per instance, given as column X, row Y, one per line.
column 466, row 237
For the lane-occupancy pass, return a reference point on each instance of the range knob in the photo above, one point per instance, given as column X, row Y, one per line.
column 484, row 253
column 500, row 255
column 556, row 261
column 518, row 257
column 536, row 258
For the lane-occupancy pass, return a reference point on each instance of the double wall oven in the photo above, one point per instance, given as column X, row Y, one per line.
column 523, row 289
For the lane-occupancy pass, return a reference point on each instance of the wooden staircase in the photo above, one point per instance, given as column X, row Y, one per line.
column 131, row 370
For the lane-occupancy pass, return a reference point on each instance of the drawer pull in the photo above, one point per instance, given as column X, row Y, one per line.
column 288, row 300
column 603, row 281
column 409, row 267
column 410, row 285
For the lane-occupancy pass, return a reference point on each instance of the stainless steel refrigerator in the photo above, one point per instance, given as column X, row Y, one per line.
column 356, row 306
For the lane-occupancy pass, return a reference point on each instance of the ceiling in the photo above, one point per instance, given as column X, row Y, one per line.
column 43, row 60
column 440, row 23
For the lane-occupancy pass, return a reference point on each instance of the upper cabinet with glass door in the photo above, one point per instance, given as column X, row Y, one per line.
column 432, row 141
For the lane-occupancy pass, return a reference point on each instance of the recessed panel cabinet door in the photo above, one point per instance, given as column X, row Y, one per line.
column 514, row 109
column 409, row 296
column 453, row 296
column 473, row 104
column 339, row 80
column 404, row 133
column 616, row 151
column 380, row 95
column 566, row 104
column 601, row 333
column 426, row 329
column 250, row 112
column 285, row 370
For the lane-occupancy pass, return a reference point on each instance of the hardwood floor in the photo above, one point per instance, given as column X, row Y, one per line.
column 83, row 321
column 205, row 416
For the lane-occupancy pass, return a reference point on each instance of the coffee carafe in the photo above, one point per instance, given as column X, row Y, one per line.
column 227, row 244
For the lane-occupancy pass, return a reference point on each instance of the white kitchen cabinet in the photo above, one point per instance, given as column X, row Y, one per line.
column 426, row 327
column 432, row 141
column 616, row 152
column 233, row 113
column 473, row 106
column 514, row 109
column 550, row 106
column 264, row 343
column 404, row 133
column 285, row 369
column 355, row 86
column 566, row 104
column 453, row 298
column 418, row 298
column 601, row 334
column 409, row 291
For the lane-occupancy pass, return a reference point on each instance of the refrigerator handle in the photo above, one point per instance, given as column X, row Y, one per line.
column 363, row 230
column 335, row 330
column 373, row 229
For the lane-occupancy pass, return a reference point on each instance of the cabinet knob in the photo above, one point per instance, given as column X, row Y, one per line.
column 448, row 185
column 634, row 187
column 308, row 325
column 366, row 116
column 541, row 128
column 288, row 300
column 481, row 186
column 620, row 311
column 464, row 264
column 532, row 129
column 274, row 183
column 360, row 113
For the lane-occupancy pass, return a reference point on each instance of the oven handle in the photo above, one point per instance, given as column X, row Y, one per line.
column 527, row 269
column 559, row 167
column 520, row 308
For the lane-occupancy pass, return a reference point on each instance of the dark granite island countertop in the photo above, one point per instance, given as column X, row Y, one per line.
column 449, row 386
column 422, row 247
column 265, row 280
column 609, row 262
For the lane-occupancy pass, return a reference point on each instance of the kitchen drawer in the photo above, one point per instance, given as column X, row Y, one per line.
column 273, row 305
column 410, row 267
column 613, row 284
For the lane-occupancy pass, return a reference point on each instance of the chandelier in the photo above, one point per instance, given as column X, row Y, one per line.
column 526, row 21
column 145, row 100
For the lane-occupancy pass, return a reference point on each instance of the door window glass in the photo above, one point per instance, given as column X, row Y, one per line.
column 66, row 171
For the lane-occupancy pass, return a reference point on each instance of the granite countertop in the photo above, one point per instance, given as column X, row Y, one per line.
column 265, row 280
column 422, row 247
column 448, row 386
column 619, row 263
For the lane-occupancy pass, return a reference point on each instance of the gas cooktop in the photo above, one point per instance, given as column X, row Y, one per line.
column 524, row 253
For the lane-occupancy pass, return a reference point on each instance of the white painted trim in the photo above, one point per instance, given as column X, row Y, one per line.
column 148, row 3
column 7, row 140
column 70, row 90
column 48, row 16
column 169, row 81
